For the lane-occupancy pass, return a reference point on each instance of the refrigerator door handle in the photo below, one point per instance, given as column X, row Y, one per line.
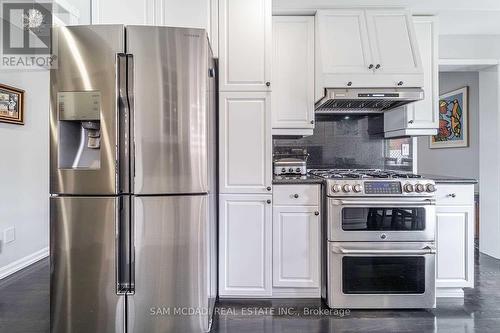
column 124, row 247
column 124, row 117
column 130, row 100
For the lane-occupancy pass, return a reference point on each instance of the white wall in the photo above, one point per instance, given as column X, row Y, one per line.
column 24, row 163
column 469, row 46
column 24, row 171
column 462, row 162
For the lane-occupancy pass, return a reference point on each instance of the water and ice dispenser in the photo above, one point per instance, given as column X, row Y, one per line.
column 79, row 129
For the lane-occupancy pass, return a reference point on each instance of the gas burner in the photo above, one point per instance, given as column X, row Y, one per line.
column 361, row 174
column 405, row 175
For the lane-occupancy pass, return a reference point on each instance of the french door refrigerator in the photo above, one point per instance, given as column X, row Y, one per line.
column 132, row 180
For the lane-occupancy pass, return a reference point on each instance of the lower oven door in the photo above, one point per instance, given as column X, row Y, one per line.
column 381, row 220
column 381, row 275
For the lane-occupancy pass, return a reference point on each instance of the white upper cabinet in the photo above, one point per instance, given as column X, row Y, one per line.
column 422, row 117
column 393, row 42
column 123, row 12
column 245, row 147
column 343, row 42
column 366, row 48
column 292, row 104
column 245, row 45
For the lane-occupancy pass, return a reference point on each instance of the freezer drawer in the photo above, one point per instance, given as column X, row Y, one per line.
column 172, row 268
column 83, row 293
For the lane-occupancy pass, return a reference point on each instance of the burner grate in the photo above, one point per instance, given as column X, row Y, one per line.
column 360, row 173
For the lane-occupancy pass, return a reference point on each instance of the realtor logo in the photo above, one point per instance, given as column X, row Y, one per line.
column 26, row 34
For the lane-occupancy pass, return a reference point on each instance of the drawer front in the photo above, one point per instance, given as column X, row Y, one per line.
column 454, row 194
column 296, row 194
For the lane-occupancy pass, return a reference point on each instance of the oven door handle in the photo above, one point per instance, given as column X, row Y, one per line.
column 388, row 203
column 426, row 250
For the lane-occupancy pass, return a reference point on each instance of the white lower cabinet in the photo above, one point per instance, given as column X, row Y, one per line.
column 245, row 242
column 296, row 241
column 455, row 241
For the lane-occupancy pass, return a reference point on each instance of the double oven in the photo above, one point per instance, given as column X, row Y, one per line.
column 380, row 244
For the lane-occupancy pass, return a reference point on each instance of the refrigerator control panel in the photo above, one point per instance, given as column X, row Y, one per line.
column 79, row 105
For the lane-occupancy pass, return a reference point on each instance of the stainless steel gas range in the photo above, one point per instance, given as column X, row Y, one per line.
column 380, row 247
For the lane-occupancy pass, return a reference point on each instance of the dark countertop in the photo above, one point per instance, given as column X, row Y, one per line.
column 279, row 180
column 449, row 179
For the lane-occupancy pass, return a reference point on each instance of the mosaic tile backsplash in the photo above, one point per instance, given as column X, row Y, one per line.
column 350, row 142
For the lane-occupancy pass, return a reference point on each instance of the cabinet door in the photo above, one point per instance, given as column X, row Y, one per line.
column 245, row 245
column 245, row 142
column 424, row 113
column 343, row 42
column 296, row 246
column 393, row 43
column 293, row 72
column 245, row 45
column 455, row 246
column 123, row 12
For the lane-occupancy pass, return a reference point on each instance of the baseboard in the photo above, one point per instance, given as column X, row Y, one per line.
column 449, row 292
column 23, row 262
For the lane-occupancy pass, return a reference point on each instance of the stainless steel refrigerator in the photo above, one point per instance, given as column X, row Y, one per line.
column 132, row 180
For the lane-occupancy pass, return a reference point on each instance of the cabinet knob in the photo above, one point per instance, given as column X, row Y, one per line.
column 268, row 201
column 268, row 84
column 453, row 195
column 316, row 213
column 312, row 121
column 370, row 67
column 268, row 188
column 295, row 195
column 410, row 122
column 378, row 66
column 349, row 83
column 400, row 83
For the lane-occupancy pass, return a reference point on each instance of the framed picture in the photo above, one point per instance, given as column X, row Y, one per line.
column 453, row 120
column 11, row 105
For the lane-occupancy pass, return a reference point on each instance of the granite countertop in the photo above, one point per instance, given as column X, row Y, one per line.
column 449, row 179
column 308, row 179
column 277, row 180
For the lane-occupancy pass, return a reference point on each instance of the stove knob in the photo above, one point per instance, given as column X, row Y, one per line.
column 430, row 188
column 356, row 188
column 290, row 170
column 336, row 188
column 298, row 169
column 283, row 170
column 346, row 188
column 408, row 188
column 419, row 188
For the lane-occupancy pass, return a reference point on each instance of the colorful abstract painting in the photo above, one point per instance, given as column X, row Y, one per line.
column 453, row 120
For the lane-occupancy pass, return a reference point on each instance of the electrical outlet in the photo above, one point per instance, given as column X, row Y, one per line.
column 9, row 235
column 405, row 149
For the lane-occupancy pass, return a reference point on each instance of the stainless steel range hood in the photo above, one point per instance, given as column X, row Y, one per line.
column 365, row 100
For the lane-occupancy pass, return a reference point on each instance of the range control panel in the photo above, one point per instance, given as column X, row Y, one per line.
column 377, row 187
column 374, row 188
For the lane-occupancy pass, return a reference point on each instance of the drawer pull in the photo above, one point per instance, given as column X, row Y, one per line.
column 295, row 195
column 452, row 195
column 268, row 188
column 316, row 213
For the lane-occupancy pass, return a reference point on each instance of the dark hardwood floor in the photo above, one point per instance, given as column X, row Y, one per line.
column 24, row 307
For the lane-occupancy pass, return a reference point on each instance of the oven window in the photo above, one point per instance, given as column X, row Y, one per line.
column 379, row 219
column 383, row 275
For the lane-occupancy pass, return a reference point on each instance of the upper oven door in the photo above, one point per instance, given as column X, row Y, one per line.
column 389, row 219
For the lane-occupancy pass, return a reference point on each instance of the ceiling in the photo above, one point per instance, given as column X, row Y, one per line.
column 456, row 17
